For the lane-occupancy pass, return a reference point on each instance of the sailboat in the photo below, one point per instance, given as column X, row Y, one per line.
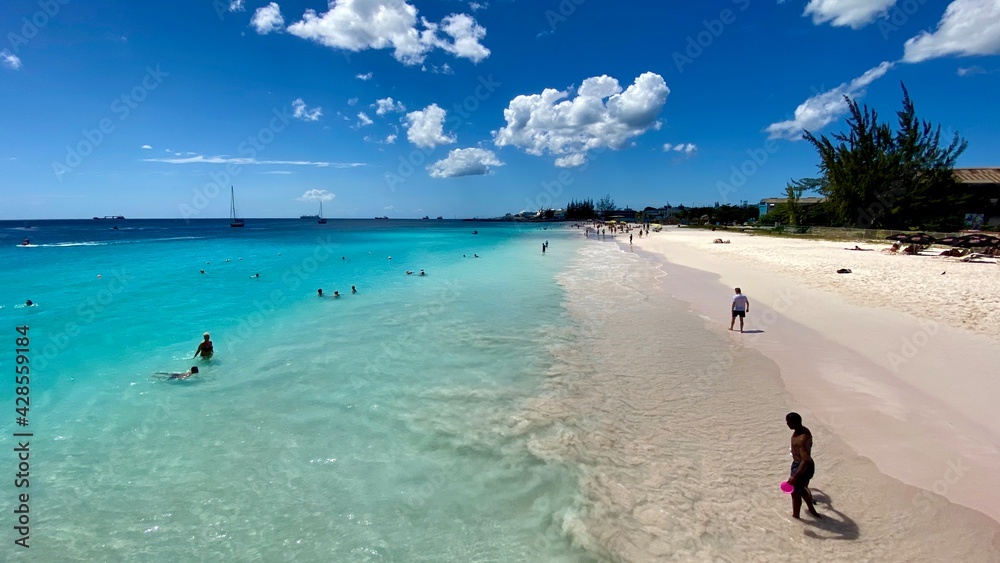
column 234, row 221
column 321, row 220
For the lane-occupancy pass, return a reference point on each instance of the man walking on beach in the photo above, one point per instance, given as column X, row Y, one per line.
column 803, row 466
column 741, row 306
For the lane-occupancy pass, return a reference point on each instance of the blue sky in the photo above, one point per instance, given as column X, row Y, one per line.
column 458, row 108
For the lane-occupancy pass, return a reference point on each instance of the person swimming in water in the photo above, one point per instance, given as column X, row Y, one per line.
column 319, row 292
column 205, row 348
column 185, row 375
column 354, row 289
column 422, row 273
column 336, row 294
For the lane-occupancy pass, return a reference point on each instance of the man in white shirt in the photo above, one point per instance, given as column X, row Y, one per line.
column 741, row 306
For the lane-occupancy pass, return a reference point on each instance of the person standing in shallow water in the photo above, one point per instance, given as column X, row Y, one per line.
column 741, row 306
column 205, row 348
column 803, row 466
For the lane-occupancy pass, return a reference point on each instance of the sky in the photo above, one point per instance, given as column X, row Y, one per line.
column 407, row 108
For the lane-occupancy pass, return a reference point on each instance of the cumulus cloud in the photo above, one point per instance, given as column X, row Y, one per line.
column 304, row 113
column 316, row 195
column 465, row 162
column 352, row 101
column 267, row 19
column 600, row 115
column 385, row 105
column 236, row 6
column 824, row 108
column 425, row 128
column 390, row 140
column 687, row 149
column 968, row 27
column 147, row 147
column 852, row 13
column 363, row 119
column 356, row 25
column 10, row 60
column 365, row 76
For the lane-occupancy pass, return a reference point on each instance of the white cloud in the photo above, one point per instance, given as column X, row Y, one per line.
column 571, row 161
column 968, row 27
column 304, row 113
column 600, row 116
column 352, row 101
column 200, row 159
column 853, row 13
column 10, row 60
column 465, row 162
column 687, row 149
column 822, row 109
column 973, row 70
column 280, row 172
column 236, row 6
column 147, row 147
column 316, row 195
column 425, row 128
column 366, row 76
column 356, row 25
column 267, row 19
column 385, row 105
column 390, row 140
column 363, row 119
column 476, row 6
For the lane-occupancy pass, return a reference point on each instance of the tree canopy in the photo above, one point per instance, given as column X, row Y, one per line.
column 877, row 178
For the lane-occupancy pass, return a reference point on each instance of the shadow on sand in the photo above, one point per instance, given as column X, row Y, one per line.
column 752, row 331
column 834, row 525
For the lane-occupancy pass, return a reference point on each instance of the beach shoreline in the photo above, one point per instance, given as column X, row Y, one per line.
column 910, row 393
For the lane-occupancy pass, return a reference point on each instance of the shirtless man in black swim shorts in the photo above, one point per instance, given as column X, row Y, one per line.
column 803, row 466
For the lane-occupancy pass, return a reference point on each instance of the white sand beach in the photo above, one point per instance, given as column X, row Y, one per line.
column 898, row 358
column 677, row 424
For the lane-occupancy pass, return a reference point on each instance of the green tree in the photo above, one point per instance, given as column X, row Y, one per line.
column 874, row 177
column 604, row 206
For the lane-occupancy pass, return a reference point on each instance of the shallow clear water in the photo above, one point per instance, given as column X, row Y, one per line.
column 376, row 426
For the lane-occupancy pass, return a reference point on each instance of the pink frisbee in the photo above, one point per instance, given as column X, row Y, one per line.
column 786, row 488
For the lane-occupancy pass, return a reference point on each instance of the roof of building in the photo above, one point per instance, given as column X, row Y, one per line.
column 977, row 175
column 802, row 200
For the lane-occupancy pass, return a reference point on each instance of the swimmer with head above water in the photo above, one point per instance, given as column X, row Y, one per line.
column 319, row 292
column 185, row 375
column 336, row 294
column 205, row 348
column 354, row 289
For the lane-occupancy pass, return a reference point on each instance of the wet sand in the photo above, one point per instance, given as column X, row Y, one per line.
column 677, row 426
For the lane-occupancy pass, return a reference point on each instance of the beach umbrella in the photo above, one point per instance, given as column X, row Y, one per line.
column 949, row 241
column 898, row 236
column 919, row 238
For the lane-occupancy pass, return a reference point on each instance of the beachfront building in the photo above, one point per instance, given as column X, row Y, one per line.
column 767, row 204
column 626, row 215
column 982, row 186
column 661, row 214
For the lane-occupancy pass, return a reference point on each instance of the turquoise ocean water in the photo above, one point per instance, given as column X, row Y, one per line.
column 378, row 426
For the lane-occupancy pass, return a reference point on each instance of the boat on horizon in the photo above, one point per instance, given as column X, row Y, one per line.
column 321, row 220
column 234, row 220
column 383, row 218
column 110, row 217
